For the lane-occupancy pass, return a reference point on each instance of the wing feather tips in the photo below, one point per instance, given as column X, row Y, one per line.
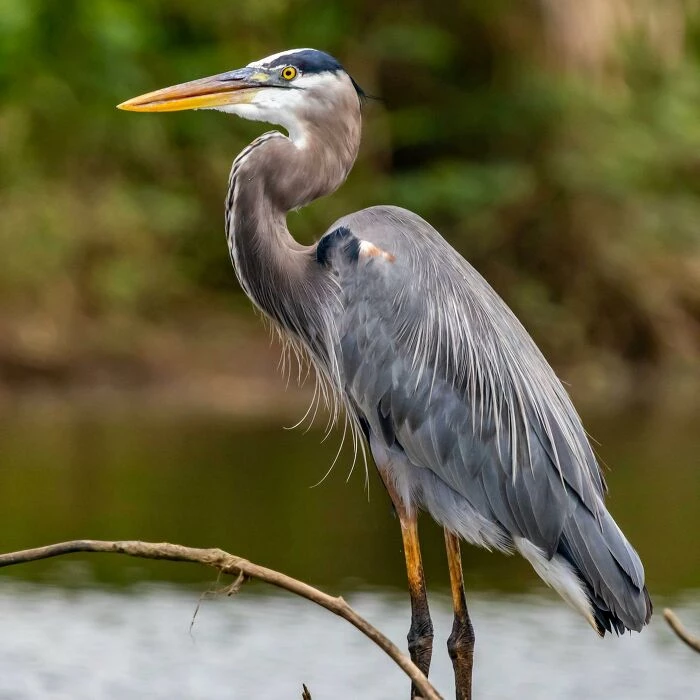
column 610, row 570
column 588, row 572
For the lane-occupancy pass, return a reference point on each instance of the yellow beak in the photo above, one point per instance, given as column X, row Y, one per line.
column 235, row 87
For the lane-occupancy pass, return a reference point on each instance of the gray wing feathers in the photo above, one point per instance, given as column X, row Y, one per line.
column 441, row 368
column 424, row 342
column 609, row 565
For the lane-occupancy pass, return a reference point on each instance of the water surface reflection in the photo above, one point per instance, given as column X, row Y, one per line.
column 212, row 481
column 92, row 644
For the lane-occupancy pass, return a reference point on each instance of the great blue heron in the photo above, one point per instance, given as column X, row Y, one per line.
column 464, row 417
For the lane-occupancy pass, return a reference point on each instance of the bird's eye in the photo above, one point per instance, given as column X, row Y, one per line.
column 289, row 73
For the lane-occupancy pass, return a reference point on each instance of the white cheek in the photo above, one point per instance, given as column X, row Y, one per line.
column 325, row 80
column 273, row 107
column 279, row 99
column 247, row 111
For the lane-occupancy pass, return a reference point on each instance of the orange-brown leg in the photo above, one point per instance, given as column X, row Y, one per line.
column 460, row 643
column 420, row 635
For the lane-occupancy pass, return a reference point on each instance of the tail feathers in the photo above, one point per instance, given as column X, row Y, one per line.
column 596, row 571
column 607, row 621
column 609, row 568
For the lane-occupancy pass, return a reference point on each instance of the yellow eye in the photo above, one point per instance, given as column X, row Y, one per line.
column 289, row 73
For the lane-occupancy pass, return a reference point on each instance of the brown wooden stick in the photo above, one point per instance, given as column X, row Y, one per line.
column 683, row 634
column 230, row 564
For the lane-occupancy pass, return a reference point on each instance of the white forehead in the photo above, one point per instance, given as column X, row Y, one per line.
column 269, row 59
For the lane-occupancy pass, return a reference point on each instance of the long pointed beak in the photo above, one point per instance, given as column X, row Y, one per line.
column 234, row 87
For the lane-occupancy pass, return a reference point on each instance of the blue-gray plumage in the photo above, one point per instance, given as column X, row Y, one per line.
column 464, row 417
column 476, row 426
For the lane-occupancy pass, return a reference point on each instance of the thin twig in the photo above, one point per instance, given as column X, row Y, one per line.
column 236, row 566
column 675, row 624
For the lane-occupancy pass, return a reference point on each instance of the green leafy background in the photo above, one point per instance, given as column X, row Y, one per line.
column 560, row 154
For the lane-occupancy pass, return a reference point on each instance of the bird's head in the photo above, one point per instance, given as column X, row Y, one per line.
column 290, row 88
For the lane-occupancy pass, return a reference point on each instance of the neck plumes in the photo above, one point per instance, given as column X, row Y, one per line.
column 270, row 177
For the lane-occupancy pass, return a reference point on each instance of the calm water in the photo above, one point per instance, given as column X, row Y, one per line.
column 111, row 627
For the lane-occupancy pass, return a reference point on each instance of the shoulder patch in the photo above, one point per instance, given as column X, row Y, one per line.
column 342, row 239
column 369, row 250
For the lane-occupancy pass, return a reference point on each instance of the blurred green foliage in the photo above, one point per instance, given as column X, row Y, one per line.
column 575, row 190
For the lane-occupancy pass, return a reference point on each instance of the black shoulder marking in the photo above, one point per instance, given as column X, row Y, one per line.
column 341, row 238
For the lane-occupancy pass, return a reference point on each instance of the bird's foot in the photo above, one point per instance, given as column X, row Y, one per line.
column 460, row 646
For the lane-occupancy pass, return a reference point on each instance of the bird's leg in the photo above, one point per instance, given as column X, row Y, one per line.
column 420, row 635
column 460, row 644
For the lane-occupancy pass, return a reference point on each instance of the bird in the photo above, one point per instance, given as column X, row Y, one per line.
column 463, row 416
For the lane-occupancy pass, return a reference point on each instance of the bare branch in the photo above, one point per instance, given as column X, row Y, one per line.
column 236, row 566
column 675, row 624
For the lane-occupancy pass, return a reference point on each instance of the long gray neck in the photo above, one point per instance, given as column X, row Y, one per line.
column 270, row 177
